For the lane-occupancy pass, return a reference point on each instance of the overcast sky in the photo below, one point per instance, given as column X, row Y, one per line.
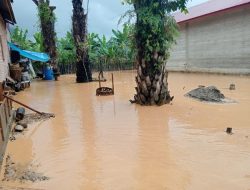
column 103, row 15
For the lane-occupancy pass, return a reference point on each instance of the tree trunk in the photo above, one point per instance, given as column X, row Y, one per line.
column 79, row 25
column 151, row 89
column 151, row 79
column 47, row 23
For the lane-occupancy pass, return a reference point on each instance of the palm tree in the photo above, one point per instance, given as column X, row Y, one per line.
column 155, row 30
column 79, row 26
column 47, row 24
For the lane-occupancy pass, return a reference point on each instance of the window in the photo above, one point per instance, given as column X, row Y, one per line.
column 1, row 49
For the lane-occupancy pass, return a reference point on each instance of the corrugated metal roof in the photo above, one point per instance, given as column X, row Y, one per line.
column 208, row 8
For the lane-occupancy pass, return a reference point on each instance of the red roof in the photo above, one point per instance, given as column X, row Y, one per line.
column 208, row 8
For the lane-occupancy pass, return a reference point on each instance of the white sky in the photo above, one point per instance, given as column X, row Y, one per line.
column 103, row 15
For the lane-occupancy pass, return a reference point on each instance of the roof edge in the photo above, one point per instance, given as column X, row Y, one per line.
column 211, row 13
column 7, row 12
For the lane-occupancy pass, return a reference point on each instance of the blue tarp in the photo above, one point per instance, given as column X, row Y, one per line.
column 35, row 56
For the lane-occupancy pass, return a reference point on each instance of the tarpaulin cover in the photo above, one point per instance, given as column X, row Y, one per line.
column 35, row 56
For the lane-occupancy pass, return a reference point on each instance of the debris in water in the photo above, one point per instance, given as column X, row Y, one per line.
column 19, row 128
column 20, row 113
column 12, row 138
column 14, row 172
column 208, row 94
column 132, row 101
column 28, row 119
column 232, row 87
column 229, row 130
column 35, row 117
column 23, row 123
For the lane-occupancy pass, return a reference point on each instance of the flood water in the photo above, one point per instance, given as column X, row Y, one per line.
column 106, row 143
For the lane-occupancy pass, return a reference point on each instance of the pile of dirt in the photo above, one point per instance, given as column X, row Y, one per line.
column 35, row 117
column 208, row 94
column 22, row 125
column 14, row 172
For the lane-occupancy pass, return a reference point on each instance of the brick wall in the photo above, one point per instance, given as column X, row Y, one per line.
column 219, row 43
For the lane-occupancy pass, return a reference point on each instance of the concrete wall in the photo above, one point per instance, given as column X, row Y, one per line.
column 4, row 50
column 219, row 43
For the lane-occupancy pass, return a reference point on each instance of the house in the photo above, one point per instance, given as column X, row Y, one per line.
column 214, row 37
column 6, row 17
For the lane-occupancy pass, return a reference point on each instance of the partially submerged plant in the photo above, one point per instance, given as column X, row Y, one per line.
column 79, row 31
column 155, row 32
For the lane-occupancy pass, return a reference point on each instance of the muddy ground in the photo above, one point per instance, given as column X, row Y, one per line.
column 13, row 171
column 36, row 117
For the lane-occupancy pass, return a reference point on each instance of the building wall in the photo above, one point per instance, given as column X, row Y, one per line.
column 4, row 51
column 219, row 43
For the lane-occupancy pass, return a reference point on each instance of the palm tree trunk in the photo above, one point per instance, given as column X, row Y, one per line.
column 151, row 79
column 151, row 89
column 79, row 25
column 47, row 23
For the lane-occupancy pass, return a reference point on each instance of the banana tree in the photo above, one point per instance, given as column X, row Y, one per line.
column 123, row 41
column 114, row 53
column 67, row 54
column 19, row 37
column 37, row 45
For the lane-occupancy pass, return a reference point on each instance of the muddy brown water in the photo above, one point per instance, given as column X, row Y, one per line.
column 107, row 143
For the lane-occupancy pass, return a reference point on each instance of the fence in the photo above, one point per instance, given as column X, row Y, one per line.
column 67, row 68
column 71, row 67
column 6, row 117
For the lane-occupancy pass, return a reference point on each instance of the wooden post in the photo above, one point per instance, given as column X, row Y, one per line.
column 1, row 91
column 1, row 127
column 99, row 81
column 113, row 87
column 2, row 122
column 23, row 105
column 9, row 107
column 5, row 111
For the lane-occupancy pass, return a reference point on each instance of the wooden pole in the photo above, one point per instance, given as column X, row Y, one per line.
column 113, row 87
column 23, row 104
column 99, row 80
column 1, row 91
